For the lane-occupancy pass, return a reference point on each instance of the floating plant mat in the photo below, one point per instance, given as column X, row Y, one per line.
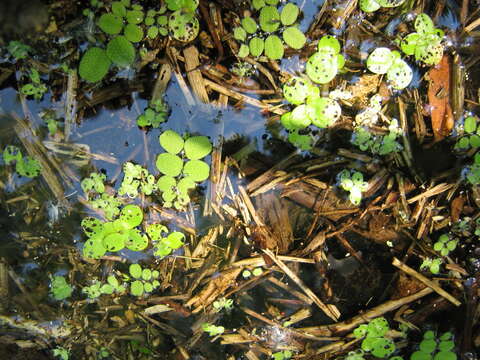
column 263, row 180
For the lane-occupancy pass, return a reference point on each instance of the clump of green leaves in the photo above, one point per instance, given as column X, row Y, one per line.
column 324, row 65
column 94, row 188
column 384, row 61
column 24, row 166
column 431, row 264
column 375, row 340
column 282, row 355
column 255, row 272
column 352, row 181
column 35, row 87
column 155, row 114
column 60, row 289
column 61, row 352
column 311, row 109
column 374, row 5
column 433, row 348
column 378, row 144
column 445, row 244
column 264, row 37
column 18, row 49
column 94, row 183
column 426, row 43
column 212, row 329
column 135, row 178
column 164, row 243
column 471, row 136
column 142, row 280
column 223, row 304
column 114, row 235
column 97, row 288
column 180, row 176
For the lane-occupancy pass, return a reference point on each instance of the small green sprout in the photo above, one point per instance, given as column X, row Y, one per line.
column 223, row 304
column 144, row 280
column 35, row 88
column 384, row 61
column 444, row 244
column 213, row 330
column 61, row 352
column 97, row 288
column 155, row 114
column 377, row 144
column 282, row 355
column 432, row 264
column 352, row 181
column 426, row 43
column 60, row 289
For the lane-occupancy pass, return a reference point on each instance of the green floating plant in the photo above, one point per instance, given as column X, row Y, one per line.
column 180, row 177
column 24, row 166
column 282, row 355
column 431, row 264
column 472, row 173
column 378, row 144
column 384, row 61
column 35, row 88
column 264, row 37
column 374, row 338
column 94, row 64
column 18, row 49
column 164, row 245
column 324, row 65
column 97, row 288
column 212, row 329
column 471, row 136
column 154, row 115
column 61, row 352
column 142, row 280
column 60, row 289
column 433, row 348
column 374, row 5
column 352, row 181
column 426, row 43
column 445, row 244
column 136, row 178
column 114, row 235
column 94, row 183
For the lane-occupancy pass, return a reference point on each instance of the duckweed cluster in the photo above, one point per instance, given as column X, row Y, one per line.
column 24, row 165
column 263, row 36
column 352, row 181
column 374, row 338
column 433, row 348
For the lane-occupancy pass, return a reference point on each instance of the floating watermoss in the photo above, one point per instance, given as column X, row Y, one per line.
column 171, row 141
column 352, row 181
column 274, row 47
column 121, row 51
column 60, row 289
column 133, row 33
column 154, row 115
column 324, row 65
column 385, row 61
column 184, row 26
column 110, row 24
column 24, row 166
column 94, row 65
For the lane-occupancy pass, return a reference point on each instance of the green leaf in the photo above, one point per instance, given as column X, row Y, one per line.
column 115, row 241
column 369, row 5
column 136, row 288
column 93, row 248
column 132, row 214
column 470, row 124
column 94, row 65
column 135, row 16
column 166, row 183
column 197, row 147
column 296, row 90
column 269, row 19
column 146, row 274
column 274, row 47
column 258, row 4
column 175, row 240
column 28, row 167
column 171, row 141
column 424, row 24
column 243, row 51
column 169, row 164
column 152, row 33
column 322, row 66
column 135, row 271
column 119, row 9
column 301, row 117
column 256, row 46
column 400, row 74
column 121, row 51
column 390, row 3
column 294, row 38
column 329, row 42
column 249, row 25
column 110, row 24
column 11, row 154
column 272, row 2
column 239, row 33
column 197, row 170
column 325, row 111
column 136, row 241
column 380, row 60
column 133, row 33
column 183, row 25
column 409, row 43
column 289, row 14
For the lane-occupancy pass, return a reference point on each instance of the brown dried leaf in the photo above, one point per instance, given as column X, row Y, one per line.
column 438, row 98
column 456, row 208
